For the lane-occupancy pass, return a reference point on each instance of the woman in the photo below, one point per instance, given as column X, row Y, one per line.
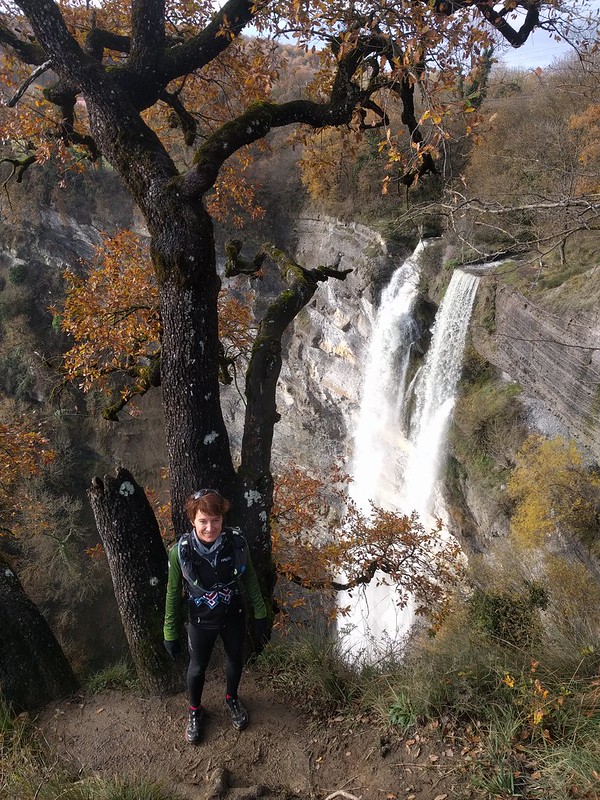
column 210, row 562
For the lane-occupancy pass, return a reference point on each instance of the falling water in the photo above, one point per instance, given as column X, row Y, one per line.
column 435, row 392
column 375, row 622
column 378, row 446
column 386, row 364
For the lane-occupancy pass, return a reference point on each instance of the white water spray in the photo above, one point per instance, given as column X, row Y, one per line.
column 375, row 622
column 435, row 393
column 386, row 363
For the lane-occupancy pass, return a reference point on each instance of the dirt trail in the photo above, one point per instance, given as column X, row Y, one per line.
column 282, row 752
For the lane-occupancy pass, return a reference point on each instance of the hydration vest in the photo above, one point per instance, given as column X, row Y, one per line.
column 213, row 591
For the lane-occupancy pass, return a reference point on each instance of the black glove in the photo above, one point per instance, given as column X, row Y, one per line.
column 262, row 632
column 172, row 647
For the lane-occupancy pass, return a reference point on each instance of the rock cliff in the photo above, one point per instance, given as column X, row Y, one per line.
column 554, row 357
column 322, row 373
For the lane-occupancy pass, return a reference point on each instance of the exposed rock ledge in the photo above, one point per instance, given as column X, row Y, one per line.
column 555, row 358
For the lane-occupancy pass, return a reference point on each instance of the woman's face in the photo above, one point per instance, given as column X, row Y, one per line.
column 208, row 527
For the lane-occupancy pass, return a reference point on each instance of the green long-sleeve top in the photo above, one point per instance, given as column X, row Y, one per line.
column 173, row 605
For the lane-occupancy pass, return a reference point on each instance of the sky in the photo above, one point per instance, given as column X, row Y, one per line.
column 541, row 49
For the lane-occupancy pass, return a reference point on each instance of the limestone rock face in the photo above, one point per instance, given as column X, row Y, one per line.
column 322, row 374
column 556, row 360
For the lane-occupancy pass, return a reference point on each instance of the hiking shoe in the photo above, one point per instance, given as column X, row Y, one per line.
column 193, row 733
column 237, row 712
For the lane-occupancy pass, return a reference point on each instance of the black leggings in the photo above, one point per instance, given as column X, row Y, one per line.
column 201, row 642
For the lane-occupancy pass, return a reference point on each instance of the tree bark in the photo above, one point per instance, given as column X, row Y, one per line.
column 263, row 372
column 138, row 566
column 197, row 439
column 33, row 667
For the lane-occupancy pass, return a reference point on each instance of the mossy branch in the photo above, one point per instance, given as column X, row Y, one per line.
column 236, row 264
column 19, row 165
column 146, row 379
column 28, row 52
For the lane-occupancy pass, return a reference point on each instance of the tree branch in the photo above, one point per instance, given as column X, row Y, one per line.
column 183, row 116
column 27, row 83
column 200, row 50
column 514, row 37
column 265, row 361
column 147, row 378
column 147, row 35
column 28, row 52
column 19, row 165
column 497, row 18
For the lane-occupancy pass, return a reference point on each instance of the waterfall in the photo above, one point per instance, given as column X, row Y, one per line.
column 435, row 392
column 379, row 449
column 383, row 385
column 375, row 623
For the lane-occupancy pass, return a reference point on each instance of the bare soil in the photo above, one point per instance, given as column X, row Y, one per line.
column 283, row 752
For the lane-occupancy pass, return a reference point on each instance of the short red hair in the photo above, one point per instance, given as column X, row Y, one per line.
column 208, row 501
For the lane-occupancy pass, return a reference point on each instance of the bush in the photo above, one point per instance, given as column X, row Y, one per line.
column 312, row 670
column 511, row 617
column 17, row 274
column 16, row 379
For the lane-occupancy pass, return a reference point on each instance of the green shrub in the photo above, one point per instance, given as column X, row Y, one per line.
column 509, row 616
column 17, row 274
column 311, row 669
column 16, row 379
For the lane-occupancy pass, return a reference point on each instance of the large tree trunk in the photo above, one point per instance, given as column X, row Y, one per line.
column 33, row 667
column 138, row 565
column 197, row 439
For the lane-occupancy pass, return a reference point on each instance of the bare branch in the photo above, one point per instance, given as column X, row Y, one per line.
column 27, row 83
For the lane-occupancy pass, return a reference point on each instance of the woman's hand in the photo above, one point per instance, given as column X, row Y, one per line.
column 262, row 633
column 172, row 647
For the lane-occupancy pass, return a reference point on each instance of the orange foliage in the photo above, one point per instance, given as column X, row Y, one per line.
column 430, row 49
column 588, row 124
column 23, row 454
column 418, row 562
column 112, row 313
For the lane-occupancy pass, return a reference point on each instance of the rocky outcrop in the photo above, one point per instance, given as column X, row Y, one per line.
column 322, row 374
column 555, row 358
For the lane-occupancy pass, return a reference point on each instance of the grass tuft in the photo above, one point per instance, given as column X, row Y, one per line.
column 116, row 676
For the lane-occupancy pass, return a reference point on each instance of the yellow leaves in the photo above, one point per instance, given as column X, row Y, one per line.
column 434, row 116
column 553, row 491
